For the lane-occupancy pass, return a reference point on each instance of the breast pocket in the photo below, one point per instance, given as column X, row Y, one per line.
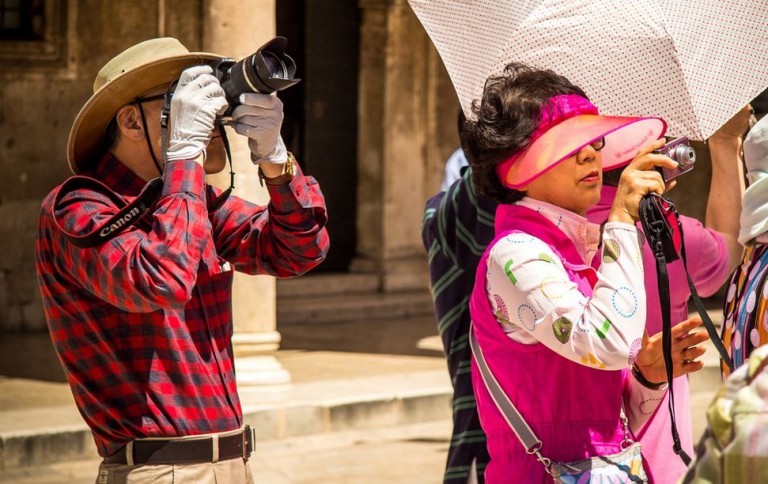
column 215, row 292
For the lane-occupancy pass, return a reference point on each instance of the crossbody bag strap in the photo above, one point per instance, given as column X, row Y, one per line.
column 508, row 410
column 530, row 441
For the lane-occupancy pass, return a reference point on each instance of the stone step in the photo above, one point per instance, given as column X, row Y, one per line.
column 406, row 390
column 355, row 456
column 354, row 307
column 326, row 284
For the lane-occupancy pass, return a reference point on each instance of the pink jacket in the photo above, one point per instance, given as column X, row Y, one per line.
column 573, row 409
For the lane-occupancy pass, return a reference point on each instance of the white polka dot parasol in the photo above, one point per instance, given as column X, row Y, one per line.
column 693, row 63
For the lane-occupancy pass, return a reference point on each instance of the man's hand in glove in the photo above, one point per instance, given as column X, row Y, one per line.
column 197, row 101
column 259, row 117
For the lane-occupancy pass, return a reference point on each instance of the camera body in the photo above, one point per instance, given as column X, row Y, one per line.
column 681, row 151
column 267, row 70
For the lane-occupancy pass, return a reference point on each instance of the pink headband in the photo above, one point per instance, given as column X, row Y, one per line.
column 556, row 110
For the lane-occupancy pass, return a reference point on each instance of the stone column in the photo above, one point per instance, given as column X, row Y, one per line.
column 400, row 75
column 236, row 28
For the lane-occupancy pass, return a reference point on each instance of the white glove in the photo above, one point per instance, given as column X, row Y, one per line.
column 259, row 117
column 197, row 101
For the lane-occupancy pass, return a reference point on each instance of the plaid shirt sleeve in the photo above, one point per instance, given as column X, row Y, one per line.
column 141, row 271
column 286, row 238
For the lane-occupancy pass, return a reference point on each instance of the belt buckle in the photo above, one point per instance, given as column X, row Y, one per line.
column 246, row 435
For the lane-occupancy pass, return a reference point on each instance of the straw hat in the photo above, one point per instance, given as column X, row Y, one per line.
column 133, row 72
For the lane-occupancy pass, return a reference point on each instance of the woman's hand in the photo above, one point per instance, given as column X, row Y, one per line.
column 638, row 179
column 686, row 336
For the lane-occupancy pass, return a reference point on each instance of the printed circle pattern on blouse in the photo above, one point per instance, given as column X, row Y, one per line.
column 582, row 326
column 621, row 293
column 519, row 238
column 552, row 289
column 527, row 317
column 647, row 407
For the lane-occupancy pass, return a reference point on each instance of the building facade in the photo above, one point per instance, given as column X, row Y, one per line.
column 373, row 119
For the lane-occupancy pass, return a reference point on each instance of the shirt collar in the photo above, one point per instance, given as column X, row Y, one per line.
column 117, row 176
column 599, row 213
column 584, row 234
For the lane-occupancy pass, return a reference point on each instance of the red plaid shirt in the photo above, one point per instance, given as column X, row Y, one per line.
column 142, row 324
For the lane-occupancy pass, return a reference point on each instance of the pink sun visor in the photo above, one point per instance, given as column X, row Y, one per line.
column 569, row 123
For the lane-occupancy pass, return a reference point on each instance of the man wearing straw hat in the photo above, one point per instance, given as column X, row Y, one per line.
column 135, row 260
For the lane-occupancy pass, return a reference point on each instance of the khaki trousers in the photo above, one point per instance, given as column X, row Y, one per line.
column 235, row 471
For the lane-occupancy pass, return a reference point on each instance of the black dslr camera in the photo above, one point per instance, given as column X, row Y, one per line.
column 267, row 70
column 681, row 151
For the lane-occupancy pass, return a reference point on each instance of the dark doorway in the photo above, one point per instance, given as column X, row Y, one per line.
column 320, row 124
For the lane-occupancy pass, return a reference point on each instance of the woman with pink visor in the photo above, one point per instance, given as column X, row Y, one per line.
column 558, row 336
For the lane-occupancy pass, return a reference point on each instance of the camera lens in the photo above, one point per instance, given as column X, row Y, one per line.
column 267, row 70
column 684, row 155
column 275, row 67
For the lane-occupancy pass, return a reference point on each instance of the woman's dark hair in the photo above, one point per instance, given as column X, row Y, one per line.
column 505, row 118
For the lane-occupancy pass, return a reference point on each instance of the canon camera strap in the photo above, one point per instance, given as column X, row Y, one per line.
column 133, row 211
column 664, row 233
column 124, row 218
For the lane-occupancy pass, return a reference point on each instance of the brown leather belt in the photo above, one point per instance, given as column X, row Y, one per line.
column 187, row 450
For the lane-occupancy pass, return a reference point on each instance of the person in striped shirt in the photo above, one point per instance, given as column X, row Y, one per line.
column 457, row 226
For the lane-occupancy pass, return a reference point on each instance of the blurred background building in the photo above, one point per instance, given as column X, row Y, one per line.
column 373, row 119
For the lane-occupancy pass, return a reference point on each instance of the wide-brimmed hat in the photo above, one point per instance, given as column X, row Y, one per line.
column 569, row 123
column 131, row 73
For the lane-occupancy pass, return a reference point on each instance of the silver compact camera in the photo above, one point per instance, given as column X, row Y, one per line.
column 681, row 151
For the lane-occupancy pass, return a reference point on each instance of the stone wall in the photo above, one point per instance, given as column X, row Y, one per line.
column 406, row 127
column 42, row 88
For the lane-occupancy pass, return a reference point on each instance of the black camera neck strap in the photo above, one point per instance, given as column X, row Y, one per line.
column 214, row 204
column 656, row 230
column 666, row 347
column 165, row 115
column 132, row 212
column 128, row 215
column 654, row 227
column 708, row 324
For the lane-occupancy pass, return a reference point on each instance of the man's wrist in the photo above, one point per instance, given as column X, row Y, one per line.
column 285, row 174
column 271, row 170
